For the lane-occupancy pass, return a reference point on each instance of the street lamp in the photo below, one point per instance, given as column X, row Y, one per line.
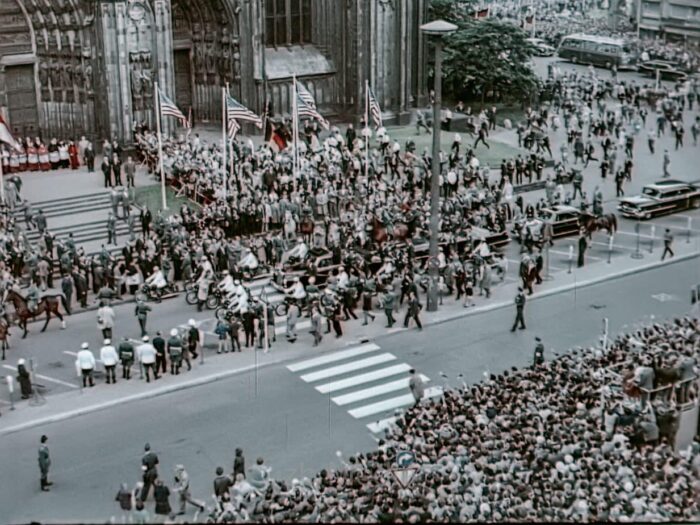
column 437, row 29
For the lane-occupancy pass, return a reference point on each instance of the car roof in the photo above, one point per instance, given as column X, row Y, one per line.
column 665, row 184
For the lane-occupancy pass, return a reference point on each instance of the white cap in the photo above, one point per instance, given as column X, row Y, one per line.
column 192, row 322
column 106, row 342
column 84, row 346
column 173, row 332
column 20, row 361
column 145, row 338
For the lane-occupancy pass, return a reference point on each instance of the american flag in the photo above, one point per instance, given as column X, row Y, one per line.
column 306, row 106
column 237, row 111
column 169, row 109
column 374, row 110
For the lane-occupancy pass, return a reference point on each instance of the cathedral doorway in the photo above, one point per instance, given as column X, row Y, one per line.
column 21, row 101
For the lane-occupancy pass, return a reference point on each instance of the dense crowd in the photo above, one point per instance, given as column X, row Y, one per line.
column 587, row 436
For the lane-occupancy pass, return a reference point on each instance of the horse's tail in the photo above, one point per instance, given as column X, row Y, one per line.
column 613, row 222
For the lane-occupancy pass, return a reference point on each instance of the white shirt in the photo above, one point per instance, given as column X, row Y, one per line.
column 146, row 353
column 85, row 360
column 108, row 355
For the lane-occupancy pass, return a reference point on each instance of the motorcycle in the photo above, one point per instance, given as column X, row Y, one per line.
column 213, row 297
column 153, row 293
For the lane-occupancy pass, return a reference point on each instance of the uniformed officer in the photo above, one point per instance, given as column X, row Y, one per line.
column 519, row 309
column 149, row 462
column 175, row 352
column 539, row 352
column 44, row 464
column 111, row 229
column 141, row 313
column 126, row 356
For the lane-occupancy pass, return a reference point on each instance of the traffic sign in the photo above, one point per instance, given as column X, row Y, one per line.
column 405, row 475
column 405, row 458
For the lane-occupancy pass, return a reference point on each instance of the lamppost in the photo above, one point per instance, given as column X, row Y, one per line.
column 437, row 29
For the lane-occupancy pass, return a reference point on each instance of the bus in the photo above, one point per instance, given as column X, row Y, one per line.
column 597, row 50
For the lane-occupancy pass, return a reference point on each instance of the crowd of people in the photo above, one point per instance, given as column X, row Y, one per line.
column 589, row 436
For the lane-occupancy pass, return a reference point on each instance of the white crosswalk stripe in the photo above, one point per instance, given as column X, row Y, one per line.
column 350, row 367
column 390, row 404
column 362, row 383
column 374, row 391
column 331, row 358
column 368, row 377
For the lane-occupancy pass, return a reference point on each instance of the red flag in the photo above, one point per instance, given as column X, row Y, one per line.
column 277, row 141
column 6, row 135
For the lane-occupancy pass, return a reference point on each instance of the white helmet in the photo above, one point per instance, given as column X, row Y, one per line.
column 84, row 346
column 106, row 342
column 173, row 332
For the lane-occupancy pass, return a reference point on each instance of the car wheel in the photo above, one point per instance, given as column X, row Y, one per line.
column 608, row 65
column 695, row 204
column 574, row 60
column 646, row 216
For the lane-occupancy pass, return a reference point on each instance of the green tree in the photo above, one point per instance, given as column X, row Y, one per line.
column 459, row 12
column 486, row 56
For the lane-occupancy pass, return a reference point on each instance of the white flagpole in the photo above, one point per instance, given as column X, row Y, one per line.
column 295, row 126
column 368, row 128
column 231, row 139
column 160, row 147
column 2, row 179
column 223, row 137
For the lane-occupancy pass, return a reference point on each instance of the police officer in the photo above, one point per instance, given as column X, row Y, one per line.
column 44, row 464
column 141, row 313
column 519, row 309
column 149, row 462
column 126, row 357
column 85, row 363
column 539, row 352
column 175, row 352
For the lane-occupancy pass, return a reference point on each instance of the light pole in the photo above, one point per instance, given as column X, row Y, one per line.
column 437, row 29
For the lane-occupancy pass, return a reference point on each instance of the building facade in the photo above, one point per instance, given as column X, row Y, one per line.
column 89, row 67
column 672, row 20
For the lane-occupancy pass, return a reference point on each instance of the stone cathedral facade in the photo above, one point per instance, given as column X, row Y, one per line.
column 88, row 67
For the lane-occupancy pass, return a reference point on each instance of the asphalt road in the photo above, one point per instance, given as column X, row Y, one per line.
column 293, row 426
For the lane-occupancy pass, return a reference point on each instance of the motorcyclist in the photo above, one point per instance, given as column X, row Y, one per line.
column 296, row 291
column 248, row 260
column 205, row 277
column 298, row 252
column 226, row 285
column 157, row 279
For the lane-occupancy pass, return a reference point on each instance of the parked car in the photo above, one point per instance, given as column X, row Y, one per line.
column 667, row 70
column 660, row 198
column 564, row 219
column 542, row 48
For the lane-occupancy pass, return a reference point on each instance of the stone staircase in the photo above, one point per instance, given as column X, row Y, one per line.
column 85, row 216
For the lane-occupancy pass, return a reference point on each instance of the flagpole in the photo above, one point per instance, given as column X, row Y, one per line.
column 231, row 139
column 2, row 180
column 295, row 125
column 223, row 137
column 160, row 147
column 368, row 129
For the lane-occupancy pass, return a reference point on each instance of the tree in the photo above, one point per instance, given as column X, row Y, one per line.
column 489, row 56
column 456, row 11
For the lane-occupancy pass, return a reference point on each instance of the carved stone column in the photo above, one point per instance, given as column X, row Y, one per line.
column 114, row 82
column 164, row 52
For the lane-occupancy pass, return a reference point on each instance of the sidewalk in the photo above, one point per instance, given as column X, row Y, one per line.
column 216, row 367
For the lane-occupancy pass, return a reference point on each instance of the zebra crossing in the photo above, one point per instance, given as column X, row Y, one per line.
column 366, row 381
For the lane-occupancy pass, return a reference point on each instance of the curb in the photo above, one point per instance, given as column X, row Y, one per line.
column 229, row 373
column 133, row 397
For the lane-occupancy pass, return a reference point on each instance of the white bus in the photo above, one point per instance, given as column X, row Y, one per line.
column 602, row 51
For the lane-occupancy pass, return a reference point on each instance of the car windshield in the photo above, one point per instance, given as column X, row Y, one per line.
column 651, row 192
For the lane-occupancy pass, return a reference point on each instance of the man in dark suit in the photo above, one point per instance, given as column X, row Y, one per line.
column 146, row 219
column 116, row 169
column 129, row 171
column 44, row 464
column 106, row 168
column 149, row 463
column 519, row 310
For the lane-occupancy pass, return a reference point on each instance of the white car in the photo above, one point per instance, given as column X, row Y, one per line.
column 542, row 49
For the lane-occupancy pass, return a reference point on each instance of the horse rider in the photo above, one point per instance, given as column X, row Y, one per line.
column 597, row 202
column 32, row 297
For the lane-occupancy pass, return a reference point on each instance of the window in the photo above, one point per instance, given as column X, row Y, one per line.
column 287, row 22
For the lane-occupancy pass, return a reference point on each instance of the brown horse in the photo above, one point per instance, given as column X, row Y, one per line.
column 4, row 333
column 306, row 227
column 48, row 304
column 591, row 223
column 399, row 232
